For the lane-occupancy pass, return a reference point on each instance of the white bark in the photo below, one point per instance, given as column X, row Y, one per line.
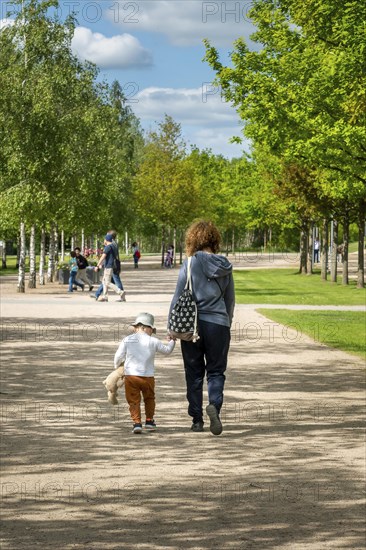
column 361, row 245
column 62, row 245
column 18, row 250
column 42, row 257
column 334, row 246
column 82, row 241
column 51, row 257
column 324, row 258
column 21, row 271
column 345, row 250
column 174, row 244
column 56, row 243
column 32, row 283
column 310, row 257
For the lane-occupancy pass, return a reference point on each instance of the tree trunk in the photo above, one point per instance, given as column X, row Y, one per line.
column 310, row 255
column 174, row 245
column 162, row 245
column 324, row 247
column 303, row 247
column 233, row 241
column 56, row 244
column 62, row 245
column 126, row 242
column 227, row 242
column 264, row 239
column 3, row 256
column 51, row 257
column 181, row 248
column 32, row 283
column 334, row 246
column 42, row 258
column 21, row 272
column 361, row 246
column 18, row 250
column 82, row 241
column 73, row 242
column 345, row 249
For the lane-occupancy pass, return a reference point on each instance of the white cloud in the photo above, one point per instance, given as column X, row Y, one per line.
column 118, row 52
column 6, row 22
column 218, row 139
column 186, row 22
column 206, row 120
column 194, row 106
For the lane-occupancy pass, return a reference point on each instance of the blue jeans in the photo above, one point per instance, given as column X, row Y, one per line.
column 73, row 281
column 117, row 281
column 207, row 355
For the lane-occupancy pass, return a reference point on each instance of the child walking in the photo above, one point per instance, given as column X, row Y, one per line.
column 138, row 353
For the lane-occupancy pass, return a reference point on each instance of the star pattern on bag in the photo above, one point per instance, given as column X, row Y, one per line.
column 183, row 314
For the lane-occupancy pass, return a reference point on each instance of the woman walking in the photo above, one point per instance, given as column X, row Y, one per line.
column 213, row 291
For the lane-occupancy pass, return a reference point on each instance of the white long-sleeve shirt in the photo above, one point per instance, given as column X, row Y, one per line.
column 138, row 352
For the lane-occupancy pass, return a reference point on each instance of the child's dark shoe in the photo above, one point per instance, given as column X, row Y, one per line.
column 150, row 425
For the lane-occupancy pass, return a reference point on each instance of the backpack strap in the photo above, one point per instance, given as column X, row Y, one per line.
column 189, row 279
column 189, row 287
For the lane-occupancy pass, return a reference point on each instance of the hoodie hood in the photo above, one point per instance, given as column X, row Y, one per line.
column 213, row 265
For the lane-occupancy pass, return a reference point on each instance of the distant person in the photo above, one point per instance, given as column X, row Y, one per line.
column 73, row 273
column 340, row 252
column 117, row 281
column 316, row 250
column 213, row 291
column 82, row 265
column 169, row 258
column 110, row 252
column 136, row 254
column 115, row 277
column 138, row 353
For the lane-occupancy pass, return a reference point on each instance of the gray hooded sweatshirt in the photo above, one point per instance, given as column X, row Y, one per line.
column 212, row 287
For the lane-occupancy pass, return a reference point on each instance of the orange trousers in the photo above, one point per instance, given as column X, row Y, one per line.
column 134, row 387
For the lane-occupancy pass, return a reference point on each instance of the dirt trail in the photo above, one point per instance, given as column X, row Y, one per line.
column 287, row 472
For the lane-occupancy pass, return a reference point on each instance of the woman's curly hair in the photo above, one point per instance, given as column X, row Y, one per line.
column 202, row 234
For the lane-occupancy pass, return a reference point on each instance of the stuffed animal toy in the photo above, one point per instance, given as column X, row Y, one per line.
column 113, row 383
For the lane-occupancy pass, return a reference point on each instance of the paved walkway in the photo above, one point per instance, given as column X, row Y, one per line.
column 287, row 472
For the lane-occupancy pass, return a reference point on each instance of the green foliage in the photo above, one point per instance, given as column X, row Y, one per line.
column 67, row 145
column 302, row 97
column 165, row 189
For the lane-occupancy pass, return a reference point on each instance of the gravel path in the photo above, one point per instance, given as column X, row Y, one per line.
column 287, row 472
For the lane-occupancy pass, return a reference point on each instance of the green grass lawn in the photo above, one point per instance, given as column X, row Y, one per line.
column 286, row 286
column 11, row 269
column 353, row 247
column 345, row 330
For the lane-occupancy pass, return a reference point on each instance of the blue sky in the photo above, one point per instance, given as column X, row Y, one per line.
column 154, row 49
